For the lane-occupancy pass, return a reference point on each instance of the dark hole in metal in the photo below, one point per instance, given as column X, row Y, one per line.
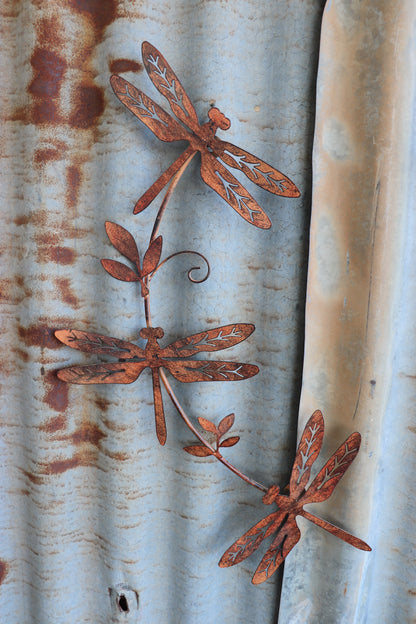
column 123, row 604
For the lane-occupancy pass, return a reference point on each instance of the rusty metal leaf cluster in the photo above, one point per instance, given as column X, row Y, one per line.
column 124, row 242
column 200, row 450
column 132, row 359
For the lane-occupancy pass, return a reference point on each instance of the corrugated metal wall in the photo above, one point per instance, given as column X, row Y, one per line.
column 89, row 499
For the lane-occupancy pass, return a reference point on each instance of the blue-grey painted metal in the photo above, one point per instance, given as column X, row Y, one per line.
column 92, row 508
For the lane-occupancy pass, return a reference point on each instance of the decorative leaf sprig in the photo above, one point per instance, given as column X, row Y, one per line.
column 201, row 450
column 124, row 242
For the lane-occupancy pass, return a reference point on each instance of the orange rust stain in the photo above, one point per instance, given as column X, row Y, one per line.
column 48, row 69
column 57, row 394
column 73, row 184
column 50, row 33
column 62, row 465
column 63, row 285
column 117, row 456
column 102, row 403
column 88, row 432
column 46, row 154
column 117, row 66
column 100, row 12
column 4, row 568
column 22, row 220
column 6, row 290
column 32, row 477
column 88, row 106
column 20, row 280
column 60, row 255
column 22, row 355
column 52, row 425
column 38, row 335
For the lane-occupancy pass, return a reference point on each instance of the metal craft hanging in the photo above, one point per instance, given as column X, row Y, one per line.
column 133, row 359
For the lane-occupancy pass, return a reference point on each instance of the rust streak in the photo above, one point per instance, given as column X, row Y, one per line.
column 52, row 425
column 101, row 13
column 57, row 394
column 62, row 465
column 73, row 184
column 66, row 294
column 117, row 66
column 38, row 335
column 48, row 69
column 4, row 568
column 88, row 106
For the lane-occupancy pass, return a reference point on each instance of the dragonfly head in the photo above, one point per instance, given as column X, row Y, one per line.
column 149, row 333
column 271, row 495
column 219, row 119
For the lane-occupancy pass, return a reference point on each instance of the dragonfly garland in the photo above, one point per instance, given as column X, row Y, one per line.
column 202, row 139
column 133, row 360
column 282, row 523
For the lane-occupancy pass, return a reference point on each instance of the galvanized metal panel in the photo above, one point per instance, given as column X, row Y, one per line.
column 359, row 347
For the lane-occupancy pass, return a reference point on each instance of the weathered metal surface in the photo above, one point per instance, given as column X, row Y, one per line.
column 92, row 506
column 360, row 314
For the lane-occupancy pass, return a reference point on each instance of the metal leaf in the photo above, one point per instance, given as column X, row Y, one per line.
column 207, row 425
column 120, row 271
column 226, row 424
column 152, row 256
column 230, row 441
column 198, row 450
column 123, row 241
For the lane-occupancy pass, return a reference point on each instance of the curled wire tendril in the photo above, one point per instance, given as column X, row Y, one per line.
column 192, row 269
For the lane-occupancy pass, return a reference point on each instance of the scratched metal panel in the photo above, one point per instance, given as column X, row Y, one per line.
column 89, row 499
column 360, row 322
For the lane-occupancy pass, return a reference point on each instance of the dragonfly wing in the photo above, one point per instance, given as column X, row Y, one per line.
column 150, row 113
column 228, row 187
column 97, row 343
column 250, row 541
column 167, row 83
column 327, row 478
column 204, row 370
column 118, row 372
column 308, row 450
column 255, row 169
column 159, row 411
column 209, row 340
column 286, row 538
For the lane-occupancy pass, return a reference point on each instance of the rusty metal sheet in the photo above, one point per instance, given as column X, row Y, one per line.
column 96, row 517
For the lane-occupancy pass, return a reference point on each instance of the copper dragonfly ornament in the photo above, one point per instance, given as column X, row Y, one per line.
column 133, row 360
column 201, row 139
column 282, row 523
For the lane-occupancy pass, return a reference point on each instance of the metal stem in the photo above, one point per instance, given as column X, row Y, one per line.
column 168, row 387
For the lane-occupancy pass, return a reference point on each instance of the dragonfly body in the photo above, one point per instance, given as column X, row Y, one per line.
column 282, row 523
column 132, row 360
column 202, row 139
